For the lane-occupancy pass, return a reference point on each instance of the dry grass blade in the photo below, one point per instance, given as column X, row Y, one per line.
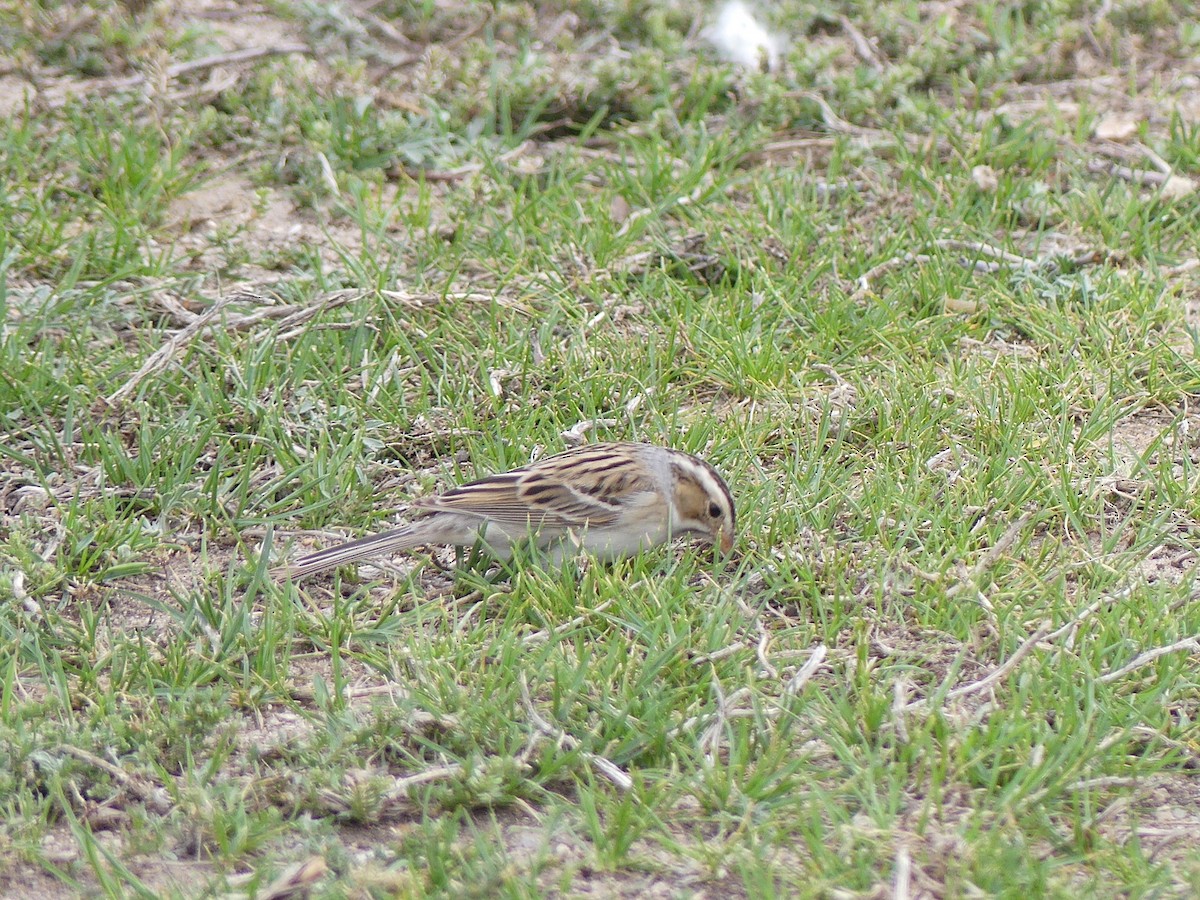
column 162, row 358
column 233, row 58
column 1191, row 644
column 154, row 796
column 607, row 769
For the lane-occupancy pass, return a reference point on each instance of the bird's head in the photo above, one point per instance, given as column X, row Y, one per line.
column 701, row 502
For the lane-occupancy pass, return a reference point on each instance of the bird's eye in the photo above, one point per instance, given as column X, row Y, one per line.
column 714, row 510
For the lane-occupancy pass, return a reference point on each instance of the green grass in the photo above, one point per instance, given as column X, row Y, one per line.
column 431, row 268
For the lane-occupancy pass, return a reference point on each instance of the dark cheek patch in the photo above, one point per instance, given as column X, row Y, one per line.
column 692, row 500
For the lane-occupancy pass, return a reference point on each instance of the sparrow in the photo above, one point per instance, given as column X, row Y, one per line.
column 611, row 500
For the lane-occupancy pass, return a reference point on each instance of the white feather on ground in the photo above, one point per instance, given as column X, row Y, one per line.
column 739, row 38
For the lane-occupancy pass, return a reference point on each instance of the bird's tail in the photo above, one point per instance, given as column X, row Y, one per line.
column 372, row 545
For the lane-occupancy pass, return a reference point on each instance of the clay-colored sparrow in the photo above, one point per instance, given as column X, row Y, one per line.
column 611, row 500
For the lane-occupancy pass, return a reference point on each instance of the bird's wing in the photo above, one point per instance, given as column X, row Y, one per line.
column 506, row 500
column 586, row 487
